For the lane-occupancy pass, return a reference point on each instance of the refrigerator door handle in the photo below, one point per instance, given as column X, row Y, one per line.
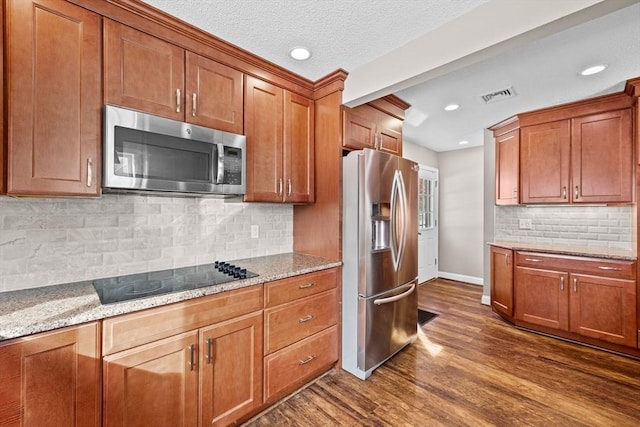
column 398, row 219
column 395, row 297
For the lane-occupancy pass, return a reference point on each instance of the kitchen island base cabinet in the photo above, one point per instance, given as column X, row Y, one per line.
column 52, row 379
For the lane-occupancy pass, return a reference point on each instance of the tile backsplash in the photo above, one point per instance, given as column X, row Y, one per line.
column 51, row 241
column 596, row 226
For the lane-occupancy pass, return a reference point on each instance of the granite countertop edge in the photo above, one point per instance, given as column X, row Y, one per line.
column 35, row 310
column 585, row 251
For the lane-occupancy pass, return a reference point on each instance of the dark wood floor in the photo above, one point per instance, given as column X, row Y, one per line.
column 470, row 368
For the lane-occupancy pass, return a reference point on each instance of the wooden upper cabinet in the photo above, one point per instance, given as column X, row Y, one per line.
column 367, row 127
column 214, row 94
column 601, row 155
column 359, row 127
column 298, row 150
column 279, row 130
column 143, row 72
column 508, row 168
column 54, row 98
column 146, row 73
column 52, row 379
column 544, row 163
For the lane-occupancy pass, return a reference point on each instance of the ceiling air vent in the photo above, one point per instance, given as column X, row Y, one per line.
column 498, row 95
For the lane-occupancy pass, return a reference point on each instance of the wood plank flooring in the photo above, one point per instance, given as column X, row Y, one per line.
column 470, row 368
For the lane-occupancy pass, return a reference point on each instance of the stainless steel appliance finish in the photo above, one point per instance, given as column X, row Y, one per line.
column 380, row 259
column 145, row 153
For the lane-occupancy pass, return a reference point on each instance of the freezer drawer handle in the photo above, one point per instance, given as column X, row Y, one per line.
column 307, row 318
column 394, row 298
column 307, row 360
column 307, row 285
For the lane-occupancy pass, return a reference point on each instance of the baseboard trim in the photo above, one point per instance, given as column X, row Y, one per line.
column 461, row 278
column 486, row 300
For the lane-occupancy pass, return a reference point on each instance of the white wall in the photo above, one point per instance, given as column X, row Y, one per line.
column 461, row 244
column 419, row 154
column 51, row 241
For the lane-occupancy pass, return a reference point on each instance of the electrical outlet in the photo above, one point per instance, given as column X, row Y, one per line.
column 525, row 224
column 255, row 231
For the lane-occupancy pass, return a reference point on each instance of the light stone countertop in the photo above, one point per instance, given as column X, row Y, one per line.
column 30, row 311
column 572, row 250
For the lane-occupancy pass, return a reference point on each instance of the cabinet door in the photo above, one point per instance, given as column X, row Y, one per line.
column 153, row 385
column 542, row 297
column 544, row 163
column 263, row 116
column 231, row 370
column 214, row 94
column 603, row 308
column 389, row 133
column 53, row 98
column 143, row 72
column 299, row 168
column 508, row 168
column 502, row 281
column 602, row 163
column 359, row 127
column 51, row 379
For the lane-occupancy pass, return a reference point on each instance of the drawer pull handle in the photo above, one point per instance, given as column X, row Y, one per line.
column 532, row 260
column 307, row 318
column 192, row 357
column 307, row 360
column 602, row 267
column 308, row 285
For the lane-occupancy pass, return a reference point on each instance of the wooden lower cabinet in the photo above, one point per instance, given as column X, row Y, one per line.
column 191, row 363
column 587, row 297
column 155, row 384
column 502, row 280
column 299, row 362
column 230, row 370
column 300, row 331
column 51, row 379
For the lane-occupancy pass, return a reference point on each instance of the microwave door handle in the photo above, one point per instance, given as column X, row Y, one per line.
column 220, row 174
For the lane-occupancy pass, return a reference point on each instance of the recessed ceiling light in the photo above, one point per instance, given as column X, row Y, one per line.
column 300, row 53
column 463, row 142
column 593, row 70
column 451, row 107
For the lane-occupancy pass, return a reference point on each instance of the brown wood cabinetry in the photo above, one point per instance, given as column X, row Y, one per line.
column 54, row 99
column 279, row 126
column 502, row 280
column 146, row 73
column 368, row 127
column 508, row 168
column 166, row 365
column 52, row 379
column 586, row 296
column 574, row 153
column 301, row 333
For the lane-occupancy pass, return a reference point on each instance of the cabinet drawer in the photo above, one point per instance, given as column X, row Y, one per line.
column 292, row 322
column 595, row 266
column 131, row 330
column 299, row 362
column 290, row 289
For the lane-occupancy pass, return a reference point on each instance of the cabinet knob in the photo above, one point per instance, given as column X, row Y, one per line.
column 194, row 104
column 89, row 172
column 562, row 283
column 306, row 318
column 564, row 192
column 307, row 360
column 289, row 187
column 577, row 193
column 280, row 187
column 178, row 101
column 575, row 285
column 192, row 357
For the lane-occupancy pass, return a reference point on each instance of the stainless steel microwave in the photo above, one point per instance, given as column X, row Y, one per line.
column 146, row 153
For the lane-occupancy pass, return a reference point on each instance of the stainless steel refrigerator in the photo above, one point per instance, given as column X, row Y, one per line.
column 380, row 258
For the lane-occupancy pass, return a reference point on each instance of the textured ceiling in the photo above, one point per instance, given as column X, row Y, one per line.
column 350, row 34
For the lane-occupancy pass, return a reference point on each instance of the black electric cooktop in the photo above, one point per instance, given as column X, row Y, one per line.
column 142, row 285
